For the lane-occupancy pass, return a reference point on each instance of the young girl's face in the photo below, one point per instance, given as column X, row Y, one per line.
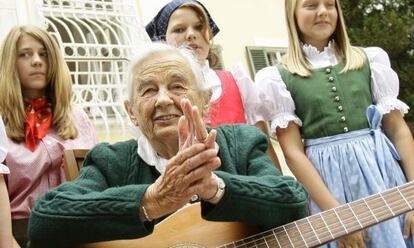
column 32, row 65
column 316, row 20
column 186, row 28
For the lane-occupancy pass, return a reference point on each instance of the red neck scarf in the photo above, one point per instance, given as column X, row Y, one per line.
column 38, row 120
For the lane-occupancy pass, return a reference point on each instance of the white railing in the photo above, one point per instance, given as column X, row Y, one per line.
column 97, row 37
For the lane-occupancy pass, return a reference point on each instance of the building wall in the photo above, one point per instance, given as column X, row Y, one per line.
column 17, row 12
column 247, row 23
column 8, row 17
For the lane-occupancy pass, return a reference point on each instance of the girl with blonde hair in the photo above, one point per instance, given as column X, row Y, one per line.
column 39, row 117
column 342, row 102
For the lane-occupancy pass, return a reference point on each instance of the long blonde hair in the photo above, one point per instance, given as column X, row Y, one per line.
column 60, row 85
column 295, row 61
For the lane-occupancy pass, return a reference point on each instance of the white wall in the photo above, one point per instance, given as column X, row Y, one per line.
column 149, row 8
column 247, row 23
column 18, row 12
column 8, row 17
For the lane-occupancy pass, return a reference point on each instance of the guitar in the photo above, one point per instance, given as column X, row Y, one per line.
column 186, row 228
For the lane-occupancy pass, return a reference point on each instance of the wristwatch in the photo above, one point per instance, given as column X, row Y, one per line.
column 220, row 191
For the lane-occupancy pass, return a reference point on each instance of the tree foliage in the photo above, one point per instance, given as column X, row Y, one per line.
column 386, row 24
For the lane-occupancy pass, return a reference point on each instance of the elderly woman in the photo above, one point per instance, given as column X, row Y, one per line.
column 126, row 188
column 234, row 98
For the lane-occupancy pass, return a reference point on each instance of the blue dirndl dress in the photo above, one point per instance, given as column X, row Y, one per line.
column 358, row 164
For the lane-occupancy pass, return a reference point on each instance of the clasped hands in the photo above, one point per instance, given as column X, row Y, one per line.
column 190, row 171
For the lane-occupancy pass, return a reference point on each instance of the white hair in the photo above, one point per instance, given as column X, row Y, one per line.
column 154, row 48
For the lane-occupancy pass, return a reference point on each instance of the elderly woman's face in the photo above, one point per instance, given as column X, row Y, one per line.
column 160, row 82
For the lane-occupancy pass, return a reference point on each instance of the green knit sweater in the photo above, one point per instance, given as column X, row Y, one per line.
column 103, row 203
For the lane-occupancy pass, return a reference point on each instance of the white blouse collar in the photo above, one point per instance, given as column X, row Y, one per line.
column 205, row 66
column 212, row 81
column 211, row 78
column 321, row 59
column 149, row 155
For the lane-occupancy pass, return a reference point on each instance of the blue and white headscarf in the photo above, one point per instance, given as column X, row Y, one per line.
column 157, row 28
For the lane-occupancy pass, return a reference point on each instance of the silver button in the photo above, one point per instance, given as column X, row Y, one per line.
column 340, row 108
column 337, row 98
column 328, row 70
column 343, row 118
column 346, row 129
column 331, row 79
column 333, row 89
column 48, row 142
column 209, row 122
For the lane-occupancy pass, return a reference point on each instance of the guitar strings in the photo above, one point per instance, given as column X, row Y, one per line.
column 385, row 210
column 381, row 215
column 291, row 241
column 367, row 216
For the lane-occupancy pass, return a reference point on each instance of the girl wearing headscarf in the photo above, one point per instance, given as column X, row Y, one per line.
column 233, row 96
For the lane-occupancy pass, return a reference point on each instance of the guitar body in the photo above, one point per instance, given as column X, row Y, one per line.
column 184, row 228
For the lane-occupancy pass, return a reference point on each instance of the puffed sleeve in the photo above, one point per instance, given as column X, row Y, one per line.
column 85, row 127
column 385, row 83
column 277, row 103
column 249, row 93
column 3, row 148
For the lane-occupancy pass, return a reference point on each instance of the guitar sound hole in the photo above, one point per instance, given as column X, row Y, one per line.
column 187, row 245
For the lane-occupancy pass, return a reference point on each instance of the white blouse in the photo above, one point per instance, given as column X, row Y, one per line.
column 3, row 148
column 248, row 91
column 279, row 106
